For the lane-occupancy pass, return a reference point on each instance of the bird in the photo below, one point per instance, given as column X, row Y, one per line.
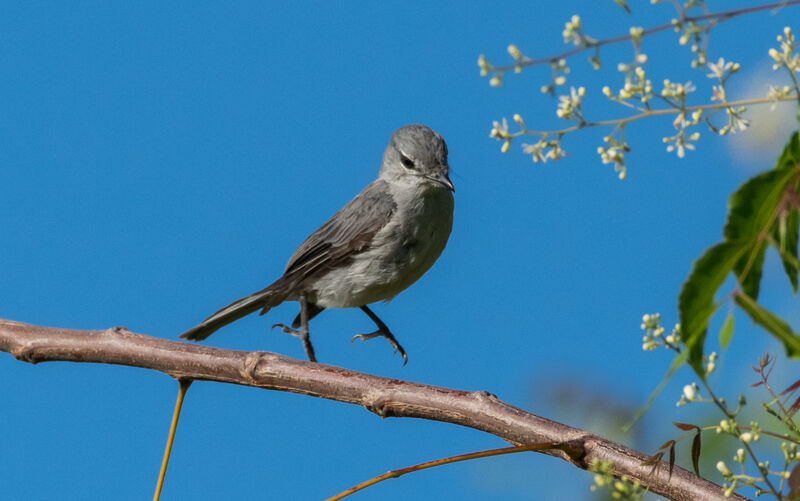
column 373, row 248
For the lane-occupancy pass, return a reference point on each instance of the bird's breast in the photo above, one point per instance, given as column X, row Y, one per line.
column 399, row 254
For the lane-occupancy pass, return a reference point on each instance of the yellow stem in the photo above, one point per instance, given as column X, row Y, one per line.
column 183, row 386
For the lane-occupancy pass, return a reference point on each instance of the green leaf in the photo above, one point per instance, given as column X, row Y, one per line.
column 696, row 302
column 753, row 209
column 772, row 323
column 726, row 333
column 786, row 234
column 791, row 153
column 748, row 269
column 752, row 206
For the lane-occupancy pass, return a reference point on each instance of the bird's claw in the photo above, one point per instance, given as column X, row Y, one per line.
column 386, row 335
column 288, row 330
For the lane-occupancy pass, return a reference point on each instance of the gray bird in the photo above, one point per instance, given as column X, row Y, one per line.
column 377, row 245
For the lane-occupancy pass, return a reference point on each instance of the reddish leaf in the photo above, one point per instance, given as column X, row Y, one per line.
column 685, row 426
column 668, row 443
column 654, row 460
column 794, row 386
column 672, row 458
column 794, row 482
column 795, row 406
column 696, row 453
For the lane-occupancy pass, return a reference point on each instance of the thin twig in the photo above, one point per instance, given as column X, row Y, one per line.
column 724, row 408
column 439, row 462
column 648, row 114
column 719, row 17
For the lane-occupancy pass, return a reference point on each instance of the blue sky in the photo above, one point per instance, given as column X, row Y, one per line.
column 160, row 160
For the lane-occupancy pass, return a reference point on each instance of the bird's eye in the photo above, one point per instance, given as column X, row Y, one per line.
column 407, row 162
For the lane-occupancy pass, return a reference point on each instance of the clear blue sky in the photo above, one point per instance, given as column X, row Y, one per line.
column 159, row 160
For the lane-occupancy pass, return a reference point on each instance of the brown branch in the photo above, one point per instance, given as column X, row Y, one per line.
column 383, row 396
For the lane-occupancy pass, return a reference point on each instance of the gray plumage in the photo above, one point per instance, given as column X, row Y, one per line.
column 373, row 248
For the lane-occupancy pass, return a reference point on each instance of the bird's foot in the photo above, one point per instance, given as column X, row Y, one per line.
column 386, row 335
column 298, row 333
column 303, row 336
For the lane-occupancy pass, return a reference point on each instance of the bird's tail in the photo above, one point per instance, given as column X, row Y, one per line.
column 261, row 300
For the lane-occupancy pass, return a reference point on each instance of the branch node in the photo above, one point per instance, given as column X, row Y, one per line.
column 380, row 406
column 485, row 396
column 250, row 365
column 25, row 352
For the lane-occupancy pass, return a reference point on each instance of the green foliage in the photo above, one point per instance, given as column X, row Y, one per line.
column 786, row 235
column 696, row 302
column 622, row 488
column 726, row 333
column 772, row 323
column 762, row 212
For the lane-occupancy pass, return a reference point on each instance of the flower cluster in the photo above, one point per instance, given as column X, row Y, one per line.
column 736, row 120
column 544, row 149
column 500, row 132
column 637, row 91
column 778, row 93
column 722, row 70
column 786, row 58
column 734, row 481
column 569, row 106
column 615, row 153
column 573, row 33
column 682, row 140
column 654, row 333
column 691, row 393
column 559, row 71
column 518, row 56
column 676, row 94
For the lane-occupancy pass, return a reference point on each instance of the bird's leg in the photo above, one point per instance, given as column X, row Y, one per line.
column 302, row 333
column 383, row 332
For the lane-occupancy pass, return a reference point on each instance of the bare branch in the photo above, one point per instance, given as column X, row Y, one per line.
column 383, row 396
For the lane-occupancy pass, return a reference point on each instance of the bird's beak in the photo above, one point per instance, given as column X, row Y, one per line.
column 444, row 180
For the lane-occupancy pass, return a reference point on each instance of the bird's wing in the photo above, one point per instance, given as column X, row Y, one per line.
column 347, row 233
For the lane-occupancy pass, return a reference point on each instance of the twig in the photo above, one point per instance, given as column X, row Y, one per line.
column 650, row 113
column 717, row 16
column 439, row 462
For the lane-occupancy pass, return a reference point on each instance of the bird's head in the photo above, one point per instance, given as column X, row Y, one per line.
column 417, row 153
